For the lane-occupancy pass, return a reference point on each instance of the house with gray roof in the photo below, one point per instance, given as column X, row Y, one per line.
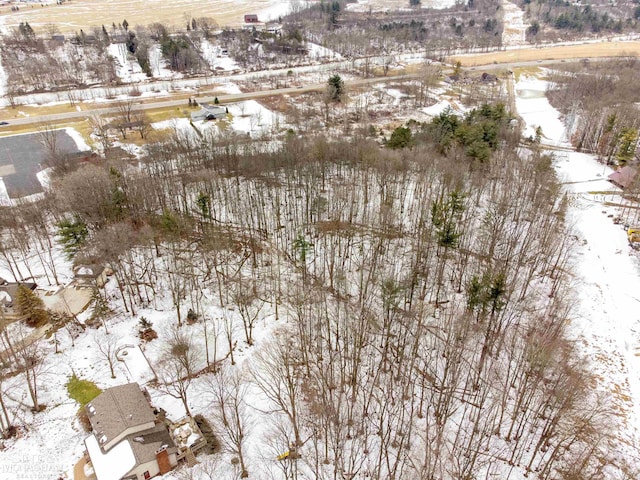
column 209, row 112
column 129, row 441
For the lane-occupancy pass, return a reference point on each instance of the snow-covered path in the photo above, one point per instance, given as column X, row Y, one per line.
column 606, row 320
column 514, row 30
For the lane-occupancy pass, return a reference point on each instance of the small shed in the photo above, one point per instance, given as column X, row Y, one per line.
column 623, row 177
column 251, row 18
column 90, row 275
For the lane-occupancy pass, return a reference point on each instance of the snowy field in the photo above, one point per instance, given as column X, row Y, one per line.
column 70, row 17
column 607, row 272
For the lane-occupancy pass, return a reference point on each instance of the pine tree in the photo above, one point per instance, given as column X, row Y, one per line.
column 105, row 34
column 73, row 234
column 628, row 144
column 336, row 87
column 31, row 307
column 445, row 216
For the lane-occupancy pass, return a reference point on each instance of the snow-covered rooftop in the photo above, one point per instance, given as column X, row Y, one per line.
column 112, row 465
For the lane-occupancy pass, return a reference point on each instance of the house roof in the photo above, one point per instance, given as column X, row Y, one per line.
column 146, row 444
column 8, row 291
column 215, row 109
column 623, row 177
column 117, row 409
column 114, row 464
column 90, row 271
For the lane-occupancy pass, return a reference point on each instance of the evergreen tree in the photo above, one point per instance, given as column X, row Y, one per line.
column 31, row 307
column 105, row 34
column 401, row 137
column 131, row 42
column 125, row 24
column 336, row 87
column 628, row 144
column 73, row 234
column 445, row 215
column 204, row 205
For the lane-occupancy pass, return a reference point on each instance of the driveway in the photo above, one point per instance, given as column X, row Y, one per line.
column 79, row 473
column 23, row 156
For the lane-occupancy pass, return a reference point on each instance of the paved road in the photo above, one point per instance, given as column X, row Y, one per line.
column 477, row 59
column 236, row 97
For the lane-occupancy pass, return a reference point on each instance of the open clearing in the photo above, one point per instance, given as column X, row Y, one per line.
column 586, row 50
column 70, row 17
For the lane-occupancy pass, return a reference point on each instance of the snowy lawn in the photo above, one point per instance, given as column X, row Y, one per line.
column 252, row 118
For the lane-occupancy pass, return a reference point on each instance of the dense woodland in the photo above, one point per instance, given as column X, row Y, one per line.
column 476, row 25
column 560, row 19
column 422, row 292
column 600, row 103
column 419, row 278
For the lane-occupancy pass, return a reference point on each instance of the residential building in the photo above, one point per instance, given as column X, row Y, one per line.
column 129, row 441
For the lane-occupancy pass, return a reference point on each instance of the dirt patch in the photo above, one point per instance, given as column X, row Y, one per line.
column 275, row 103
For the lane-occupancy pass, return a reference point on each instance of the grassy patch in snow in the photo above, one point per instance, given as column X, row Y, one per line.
column 82, row 391
column 527, row 72
column 161, row 114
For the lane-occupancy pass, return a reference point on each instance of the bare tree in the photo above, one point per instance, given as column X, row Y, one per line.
column 228, row 391
column 177, row 366
column 124, row 121
column 101, row 130
column 107, row 345
column 277, row 372
column 249, row 305
column 30, row 355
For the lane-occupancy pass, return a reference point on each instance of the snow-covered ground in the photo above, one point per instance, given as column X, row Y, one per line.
column 279, row 8
column 128, row 69
column 388, row 5
column 78, row 138
column 534, row 108
column 252, row 118
column 606, row 321
column 318, row 52
column 515, row 28
column 217, row 61
column 159, row 66
column 5, row 201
